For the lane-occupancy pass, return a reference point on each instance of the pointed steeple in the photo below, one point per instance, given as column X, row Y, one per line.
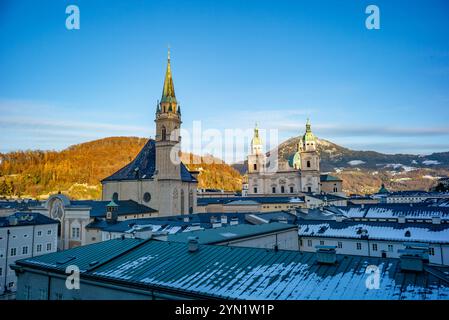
column 168, row 92
column 256, row 139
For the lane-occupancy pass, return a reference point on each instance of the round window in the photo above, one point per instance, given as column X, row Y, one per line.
column 147, row 197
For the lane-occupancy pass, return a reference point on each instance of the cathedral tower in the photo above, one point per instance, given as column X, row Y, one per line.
column 310, row 161
column 257, row 158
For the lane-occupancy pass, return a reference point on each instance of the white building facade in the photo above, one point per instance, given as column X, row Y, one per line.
column 23, row 235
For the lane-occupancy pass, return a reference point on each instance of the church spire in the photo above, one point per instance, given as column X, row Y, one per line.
column 168, row 92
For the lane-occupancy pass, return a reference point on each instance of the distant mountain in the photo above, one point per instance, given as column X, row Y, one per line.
column 78, row 170
column 364, row 171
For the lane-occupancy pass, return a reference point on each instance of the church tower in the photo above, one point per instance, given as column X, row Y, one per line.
column 168, row 164
column 310, row 162
column 168, row 123
column 256, row 160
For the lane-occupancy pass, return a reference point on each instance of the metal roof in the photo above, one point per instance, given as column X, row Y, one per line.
column 125, row 207
column 328, row 177
column 410, row 211
column 262, row 200
column 203, row 219
column 143, row 167
column 25, row 219
column 392, row 231
column 230, row 233
column 241, row 273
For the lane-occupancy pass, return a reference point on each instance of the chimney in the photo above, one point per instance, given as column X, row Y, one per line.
column 224, row 219
column 282, row 219
column 193, row 244
column 234, row 221
column 401, row 219
column 215, row 222
column 436, row 220
column 12, row 220
column 326, row 254
column 412, row 260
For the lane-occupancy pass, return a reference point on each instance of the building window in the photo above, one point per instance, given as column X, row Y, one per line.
column 147, row 197
column 309, row 189
column 432, row 251
column 39, row 248
column 25, row 250
column 273, row 189
column 49, row 232
column 309, row 243
column 374, row 246
column 300, row 244
column 339, row 245
column 390, row 248
column 282, row 189
column 321, row 243
column 58, row 296
column 291, row 189
column 48, row 246
column 13, row 252
column 75, row 233
column 308, row 163
column 1, row 271
column 255, row 190
column 255, row 166
column 359, row 246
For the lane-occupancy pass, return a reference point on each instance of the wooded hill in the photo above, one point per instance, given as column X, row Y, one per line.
column 79, row 169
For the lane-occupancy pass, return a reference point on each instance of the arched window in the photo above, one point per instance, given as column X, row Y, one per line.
column 308, row 163
column 282, row 189
column 164, row 133
column 255, row 166
column 273, row 189
column 115, row 197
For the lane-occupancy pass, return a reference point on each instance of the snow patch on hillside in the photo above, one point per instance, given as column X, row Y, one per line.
column 430, row 162
column 355, row 162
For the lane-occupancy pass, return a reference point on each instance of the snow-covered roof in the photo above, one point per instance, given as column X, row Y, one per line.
column 392, row 211
column 393, row 231
column 239, row 273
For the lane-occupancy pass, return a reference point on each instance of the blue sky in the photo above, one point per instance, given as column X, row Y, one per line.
column 234, row 63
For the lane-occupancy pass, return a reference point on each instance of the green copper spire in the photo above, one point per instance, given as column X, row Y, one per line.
column 168, row 92
column 256, row 139
column 308, row 136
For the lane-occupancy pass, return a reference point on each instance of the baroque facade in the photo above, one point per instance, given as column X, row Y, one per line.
column 302, row 175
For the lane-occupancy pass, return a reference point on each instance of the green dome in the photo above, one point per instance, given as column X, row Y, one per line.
column 308, row 136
